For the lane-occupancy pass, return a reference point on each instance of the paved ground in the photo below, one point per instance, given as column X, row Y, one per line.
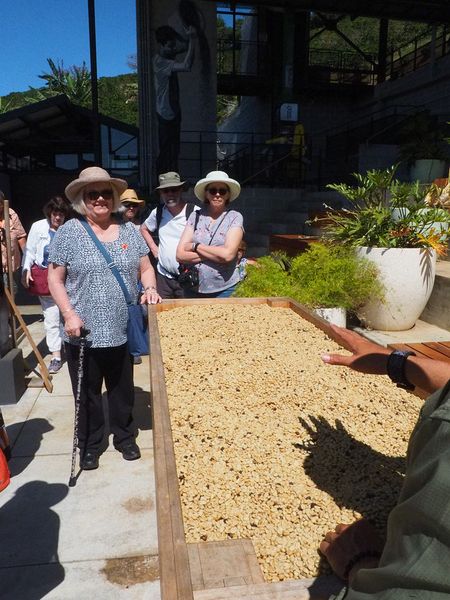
column 96, row 540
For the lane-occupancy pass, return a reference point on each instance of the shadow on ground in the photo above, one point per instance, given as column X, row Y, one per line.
column 28, row 516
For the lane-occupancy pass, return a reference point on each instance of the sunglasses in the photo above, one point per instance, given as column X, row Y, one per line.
column 221, row 191
column 129, row 205
column 95, row 195
column 168, row 190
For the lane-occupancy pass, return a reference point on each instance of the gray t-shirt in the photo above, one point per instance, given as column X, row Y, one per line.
column 214, row 276
column 92, row 288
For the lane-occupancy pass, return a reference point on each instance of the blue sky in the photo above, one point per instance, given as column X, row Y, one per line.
column 34, row 30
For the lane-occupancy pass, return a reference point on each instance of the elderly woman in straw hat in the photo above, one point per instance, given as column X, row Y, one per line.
column 131, row 207
column 212, row 236
column 89, row 296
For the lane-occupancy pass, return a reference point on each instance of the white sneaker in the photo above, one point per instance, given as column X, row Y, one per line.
column 54, row 366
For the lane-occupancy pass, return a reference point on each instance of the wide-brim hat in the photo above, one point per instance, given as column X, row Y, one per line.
column 217, row 177
column 94, row 175
column 129, row 195
column 170, row 179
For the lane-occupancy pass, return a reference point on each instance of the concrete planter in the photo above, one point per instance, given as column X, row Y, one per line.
column 408, row 276
column 335, row 316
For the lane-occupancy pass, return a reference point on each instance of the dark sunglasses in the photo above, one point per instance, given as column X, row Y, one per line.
column 95, row 195
column 129, row 205
column 214, row 191
column 170, row 189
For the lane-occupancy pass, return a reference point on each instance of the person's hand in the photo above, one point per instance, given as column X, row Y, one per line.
column 155, row 252
column 26, row 278
column 366, row 357
column 73, row 324
column 352, row 547
column 150, row 296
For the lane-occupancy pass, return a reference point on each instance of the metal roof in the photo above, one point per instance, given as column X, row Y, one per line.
column 50, row 126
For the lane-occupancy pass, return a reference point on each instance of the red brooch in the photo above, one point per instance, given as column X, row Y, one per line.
column 124, row 246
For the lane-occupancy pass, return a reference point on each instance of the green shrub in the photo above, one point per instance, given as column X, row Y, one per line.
column 269, row 277
column 328, row 276
column 324, row 276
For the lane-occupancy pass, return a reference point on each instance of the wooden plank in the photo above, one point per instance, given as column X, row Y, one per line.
column 439, row 347
column 175, row 578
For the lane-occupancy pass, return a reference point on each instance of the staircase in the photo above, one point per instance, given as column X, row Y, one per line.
column 280, row 211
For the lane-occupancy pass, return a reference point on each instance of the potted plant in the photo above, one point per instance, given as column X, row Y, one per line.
column 390, row 223
column 422, row 147
column 331, row 280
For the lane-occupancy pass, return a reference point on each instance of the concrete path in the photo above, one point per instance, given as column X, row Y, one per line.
column 94, row 541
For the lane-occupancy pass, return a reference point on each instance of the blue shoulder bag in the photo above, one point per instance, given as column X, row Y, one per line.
column 137, row 333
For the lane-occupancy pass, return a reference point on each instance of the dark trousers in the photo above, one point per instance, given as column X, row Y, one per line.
column 169, row 144
column 168, row 288
column 113, row 366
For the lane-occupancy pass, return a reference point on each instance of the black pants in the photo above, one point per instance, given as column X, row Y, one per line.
column 169, row 144
column 113, row 366
column 168, row 288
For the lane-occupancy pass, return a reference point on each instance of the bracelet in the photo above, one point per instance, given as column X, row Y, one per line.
column 150, row 287
column 195, row 246
column 357, row 558
column 63, row 312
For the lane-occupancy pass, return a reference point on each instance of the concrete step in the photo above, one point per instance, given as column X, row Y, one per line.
column 303, row 589
column 437, row 310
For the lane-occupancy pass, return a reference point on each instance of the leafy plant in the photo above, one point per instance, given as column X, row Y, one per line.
column 328, row 276
column 74, row 82
column 324, row 276
column 386, row 213
column 269, row 277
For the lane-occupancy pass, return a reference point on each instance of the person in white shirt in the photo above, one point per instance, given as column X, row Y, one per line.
column 36, row 252
column 167, row 222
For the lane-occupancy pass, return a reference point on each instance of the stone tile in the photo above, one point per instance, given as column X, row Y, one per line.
column 110, row 513
column 81, row 580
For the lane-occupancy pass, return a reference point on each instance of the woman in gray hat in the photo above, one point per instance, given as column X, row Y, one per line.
column 90, row 298
column 212, row 236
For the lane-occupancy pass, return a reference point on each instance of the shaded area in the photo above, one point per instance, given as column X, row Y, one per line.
column 31, row 434
column 28, row 517
column 354, row 474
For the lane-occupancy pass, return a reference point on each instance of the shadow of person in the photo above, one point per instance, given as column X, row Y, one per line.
column 354, row 474
column 357, row 477
column 142, row 412
column 26, row 438
column 29, row 549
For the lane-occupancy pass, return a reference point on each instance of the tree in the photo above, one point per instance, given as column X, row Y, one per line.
column 74, row 82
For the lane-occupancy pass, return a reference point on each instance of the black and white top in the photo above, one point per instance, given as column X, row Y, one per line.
column 92, row 289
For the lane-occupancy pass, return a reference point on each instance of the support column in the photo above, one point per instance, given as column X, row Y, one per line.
column 147, row 129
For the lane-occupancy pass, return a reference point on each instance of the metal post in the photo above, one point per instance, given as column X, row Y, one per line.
column 94, row 85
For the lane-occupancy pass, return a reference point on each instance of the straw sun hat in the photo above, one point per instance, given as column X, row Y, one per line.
column 94, row 175
column 217, row 177
column 130, row 195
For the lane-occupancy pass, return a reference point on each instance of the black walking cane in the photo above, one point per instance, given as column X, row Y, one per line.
column 83, row 334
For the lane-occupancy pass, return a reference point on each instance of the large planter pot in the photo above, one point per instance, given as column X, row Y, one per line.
column 408, row 277
column 426, row 170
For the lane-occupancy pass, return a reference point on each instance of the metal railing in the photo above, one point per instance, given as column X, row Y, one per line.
column 342, row 67
column 241, row 57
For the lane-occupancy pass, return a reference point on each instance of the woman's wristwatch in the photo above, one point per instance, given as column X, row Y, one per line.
column 396, row 369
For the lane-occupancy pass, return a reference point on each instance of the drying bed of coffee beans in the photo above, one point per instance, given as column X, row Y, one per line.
column 272, row 444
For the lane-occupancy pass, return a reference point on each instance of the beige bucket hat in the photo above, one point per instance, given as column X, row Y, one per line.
column 94, row 175
column 130, row 195
column 170, row 179
column 217, row 177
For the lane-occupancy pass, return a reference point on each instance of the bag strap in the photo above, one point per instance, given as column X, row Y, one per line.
column 159, row 213
column 217, row 228
column 109, row 261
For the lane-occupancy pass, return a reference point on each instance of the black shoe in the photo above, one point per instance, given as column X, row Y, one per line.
column 89, row 462
column 137, row 360
column 130, row 451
